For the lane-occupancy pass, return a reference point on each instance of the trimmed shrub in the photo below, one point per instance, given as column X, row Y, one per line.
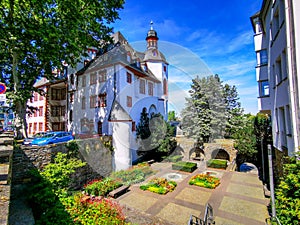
column 217, row 163
column 174, row 158
column 184, row 166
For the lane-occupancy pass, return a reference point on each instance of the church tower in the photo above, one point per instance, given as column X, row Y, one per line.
column 151, row 38
column 158, row 65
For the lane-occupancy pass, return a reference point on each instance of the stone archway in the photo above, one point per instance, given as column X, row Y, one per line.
column 197, row 154
column 222, row 149
column 220, row 154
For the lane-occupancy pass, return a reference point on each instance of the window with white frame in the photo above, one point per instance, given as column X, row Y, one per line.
column 262, row 57
column 129, row 77
column 93, row 78
column 93, row 99
column 142, row 86
column 264, row 88
column 83, row 102
column 278, row 70
column 150, row 88
column 102, row 76
column 275, row 24
column 129, row 101
column 284, row 64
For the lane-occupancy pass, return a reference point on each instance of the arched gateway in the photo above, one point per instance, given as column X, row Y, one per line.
column 220, row 149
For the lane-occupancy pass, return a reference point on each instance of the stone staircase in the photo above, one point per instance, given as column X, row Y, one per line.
column 6, row 149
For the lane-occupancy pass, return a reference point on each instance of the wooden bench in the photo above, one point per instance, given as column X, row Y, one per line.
column 119, row 191
column 151, row 161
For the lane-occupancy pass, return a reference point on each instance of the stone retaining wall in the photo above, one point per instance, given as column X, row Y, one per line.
column 98, row 158
column 6, row 150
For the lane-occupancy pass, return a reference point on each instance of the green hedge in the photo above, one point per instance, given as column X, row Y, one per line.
column 184, row 166
column 217, row 163
column 174, row 158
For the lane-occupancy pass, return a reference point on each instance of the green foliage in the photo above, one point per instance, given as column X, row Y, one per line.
column 73, row 148
column 46, row 205
column 184, row 166
column 173, row 158
column 217, row 163
column 133, row 175
column 101, row 187
column 155, row 134
column 51, row 203
column 288, row 193
column 172, row 116
column 58, row 173
column 159, row 185
column 212, row 111
column 234, row 112
column 87, row 210
column 245, row 140
column 36, row 36
column 203, row 180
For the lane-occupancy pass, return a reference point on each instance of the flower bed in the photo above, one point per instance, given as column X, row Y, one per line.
column 159, row 185
column 101, row 187
column 204, row 180
column 133, row 175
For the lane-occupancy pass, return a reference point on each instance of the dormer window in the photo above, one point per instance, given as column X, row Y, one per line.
column 138, row 64
column 128, row 57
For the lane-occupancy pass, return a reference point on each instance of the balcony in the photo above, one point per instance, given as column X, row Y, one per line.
column 264, row 104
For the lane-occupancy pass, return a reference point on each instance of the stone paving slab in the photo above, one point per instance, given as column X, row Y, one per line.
column 244, row 208
column 222, row 221
column 189, row 195
column 246, row 178
column 177, row 214
column 248, row 191
column 239, row 199
column 138, row 201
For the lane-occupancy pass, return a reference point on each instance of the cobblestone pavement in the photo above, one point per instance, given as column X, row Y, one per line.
column 239, row 199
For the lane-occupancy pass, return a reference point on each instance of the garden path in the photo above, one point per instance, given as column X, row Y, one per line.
column 239, row 199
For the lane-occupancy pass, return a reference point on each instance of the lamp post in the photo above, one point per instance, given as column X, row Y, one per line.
column 271, row 181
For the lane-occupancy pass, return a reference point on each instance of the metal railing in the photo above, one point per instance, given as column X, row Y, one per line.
column 273, row 221
column 207, row 219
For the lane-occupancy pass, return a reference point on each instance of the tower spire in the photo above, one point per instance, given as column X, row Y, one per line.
column 151, row 37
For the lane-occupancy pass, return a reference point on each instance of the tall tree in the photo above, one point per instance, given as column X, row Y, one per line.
column 234, row 112
column 245, row 140
column 204, row 116
column 37, row 36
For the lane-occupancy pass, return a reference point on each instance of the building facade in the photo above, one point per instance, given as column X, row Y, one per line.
column 276, row 33
column 108, row 96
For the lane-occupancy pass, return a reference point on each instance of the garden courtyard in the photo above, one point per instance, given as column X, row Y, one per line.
column 238, row 199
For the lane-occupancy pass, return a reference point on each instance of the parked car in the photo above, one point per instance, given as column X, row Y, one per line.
column 27, row 141
column 52, row 138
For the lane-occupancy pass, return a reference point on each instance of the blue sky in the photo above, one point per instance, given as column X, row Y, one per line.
column 198, row 37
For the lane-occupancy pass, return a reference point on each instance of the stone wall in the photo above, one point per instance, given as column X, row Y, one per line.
column 92, row 151
column 6, row 149
column 227, row 145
